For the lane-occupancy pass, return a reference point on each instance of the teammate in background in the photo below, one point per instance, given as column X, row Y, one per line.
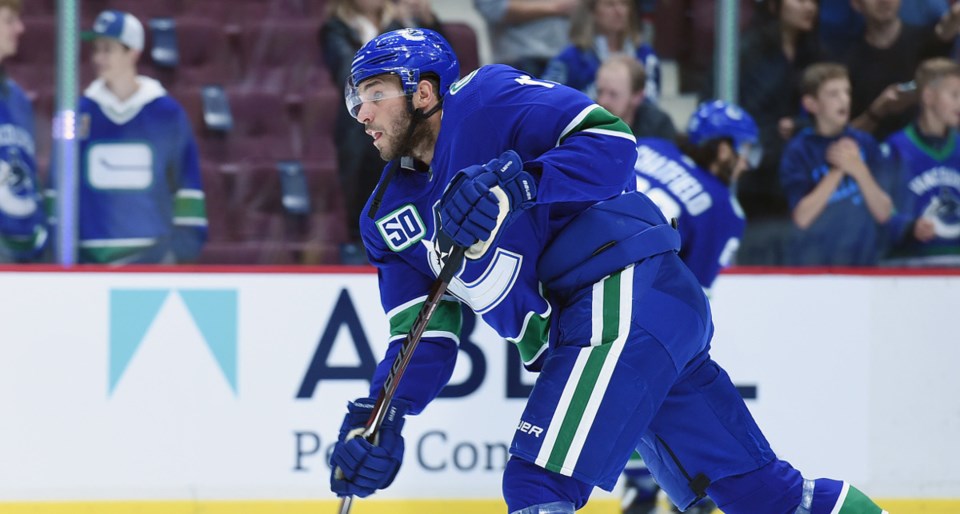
column 827, row 175
column 600, row 29
column 588, row 285
column 141, row 199
column 925, row 173
column 695, row 187
column 620, row 89
column 23, row 232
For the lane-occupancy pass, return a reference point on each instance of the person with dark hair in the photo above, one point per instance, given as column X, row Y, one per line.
column 23, row 230
column 828, row 176
column 884, row 100
column 620, row 85
column 780, row 43
column 525, row 179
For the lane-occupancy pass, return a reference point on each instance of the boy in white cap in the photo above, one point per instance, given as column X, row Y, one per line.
column 23, row 233
column 141, row 199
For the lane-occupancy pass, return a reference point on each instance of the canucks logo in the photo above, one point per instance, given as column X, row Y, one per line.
column 16, row 187
column 944, row 211
column 401, row 228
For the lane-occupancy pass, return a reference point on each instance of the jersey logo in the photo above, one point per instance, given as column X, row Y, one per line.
column 458, row 85
column 401, row 228
column 127, row 166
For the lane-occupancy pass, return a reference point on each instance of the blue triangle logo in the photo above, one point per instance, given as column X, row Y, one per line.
column 215, row 314
column 132, row 311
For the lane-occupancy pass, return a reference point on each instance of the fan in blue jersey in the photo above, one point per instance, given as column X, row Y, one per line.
column 23, row 232
column 140, row 199
column 925, row 175
column 583, row 280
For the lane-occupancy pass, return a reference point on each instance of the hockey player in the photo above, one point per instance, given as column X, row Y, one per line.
column 141, row 199
column 925, row 181
column 23, row 232
column 588, row 285
column 694, row 185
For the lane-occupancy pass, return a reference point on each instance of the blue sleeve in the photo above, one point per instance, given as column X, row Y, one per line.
column 558, row 69
column 891, row 178
column 795, row 175
column 189, row 207
column 651, row 65
column 402, row 293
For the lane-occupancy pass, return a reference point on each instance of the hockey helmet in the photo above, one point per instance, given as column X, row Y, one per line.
column 720, row 119
column 406, row 53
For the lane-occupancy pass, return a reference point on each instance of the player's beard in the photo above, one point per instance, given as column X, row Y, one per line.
column 725, row 169
column 399, row 144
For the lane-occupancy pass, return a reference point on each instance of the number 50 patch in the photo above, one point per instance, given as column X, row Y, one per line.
column 401, row 228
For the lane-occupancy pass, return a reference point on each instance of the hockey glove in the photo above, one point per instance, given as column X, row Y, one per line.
column 360, row 467
column 481, row 200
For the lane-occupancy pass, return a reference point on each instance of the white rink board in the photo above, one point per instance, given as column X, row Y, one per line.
column 856, row 377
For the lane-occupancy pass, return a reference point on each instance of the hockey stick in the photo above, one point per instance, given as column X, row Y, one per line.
column 406, row 352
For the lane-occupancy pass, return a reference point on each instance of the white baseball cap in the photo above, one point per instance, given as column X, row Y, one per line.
column 119, row 25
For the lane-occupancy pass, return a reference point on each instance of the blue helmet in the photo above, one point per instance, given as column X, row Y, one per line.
column 719, row 119
column 407, row 53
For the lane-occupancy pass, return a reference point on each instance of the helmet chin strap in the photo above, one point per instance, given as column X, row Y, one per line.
column 416, row 116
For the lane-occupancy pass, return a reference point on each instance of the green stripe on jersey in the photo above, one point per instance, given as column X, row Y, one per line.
column 192, row 206
column 598, row 119
column 447, row 318
column 535, row 336
column 610, row 306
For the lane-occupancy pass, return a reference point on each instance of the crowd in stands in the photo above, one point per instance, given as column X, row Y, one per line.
column 857, row 103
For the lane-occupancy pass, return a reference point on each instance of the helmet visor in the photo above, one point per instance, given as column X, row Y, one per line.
column 374, row 89
column 753, row 152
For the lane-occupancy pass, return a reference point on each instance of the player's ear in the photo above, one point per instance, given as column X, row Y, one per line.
column 426, row 91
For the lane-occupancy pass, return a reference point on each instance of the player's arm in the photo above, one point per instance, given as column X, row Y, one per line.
column 189, row 201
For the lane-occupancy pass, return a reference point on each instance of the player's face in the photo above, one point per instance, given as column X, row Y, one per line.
column 111, row 59
column 799, row 14
column 10, row 29
column 384, row 114
column 611, row 16
column 833, row 104
column 613, row 91
column 944, row 101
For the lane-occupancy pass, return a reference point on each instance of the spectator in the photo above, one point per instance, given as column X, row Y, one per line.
column 925, row 169
column 781, row 42
column 600, row 29
column 827, row 174
column 140, row 194
column 350, row 24
column 23, row 233
column 620, row 90
column 883, row 102
column 526, row 34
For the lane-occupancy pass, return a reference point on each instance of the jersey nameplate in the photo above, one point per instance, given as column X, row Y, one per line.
column 401, row 228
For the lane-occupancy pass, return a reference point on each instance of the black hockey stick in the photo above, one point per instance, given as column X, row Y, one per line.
column 450, row 267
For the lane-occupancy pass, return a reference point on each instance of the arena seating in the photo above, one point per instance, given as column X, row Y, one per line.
column 266, row 56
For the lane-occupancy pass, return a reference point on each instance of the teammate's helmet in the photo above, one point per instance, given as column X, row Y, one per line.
column 719, row 119
column 409, row 54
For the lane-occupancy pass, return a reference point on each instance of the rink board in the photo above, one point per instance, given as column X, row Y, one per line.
column 155, row 392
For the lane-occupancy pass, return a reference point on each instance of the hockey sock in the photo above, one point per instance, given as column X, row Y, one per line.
column 525, row 484
column 825, row 496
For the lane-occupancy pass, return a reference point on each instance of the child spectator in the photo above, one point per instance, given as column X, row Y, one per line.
column 827, row 175
column 925, row 173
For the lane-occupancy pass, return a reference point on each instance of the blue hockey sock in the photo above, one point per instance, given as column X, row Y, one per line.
column 526, row 484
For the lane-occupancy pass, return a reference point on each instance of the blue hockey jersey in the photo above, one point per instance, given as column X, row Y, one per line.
column 709, row 217
column 577, row 67
column 140, row 193
column 924, row 183
column 582, row 154
column 23, row 231
column 845, row 234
